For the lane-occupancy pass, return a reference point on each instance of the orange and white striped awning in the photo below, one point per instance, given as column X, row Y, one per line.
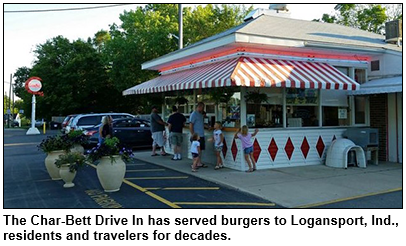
column 250, row 72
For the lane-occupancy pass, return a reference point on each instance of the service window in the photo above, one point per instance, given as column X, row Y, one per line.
column 360, row 75
column 302, row 107
column 267, row 113
column 360, row 103
column 335, row 110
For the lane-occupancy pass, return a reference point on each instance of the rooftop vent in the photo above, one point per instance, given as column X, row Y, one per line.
column 279, row 7
column 274, row 10
column 393, row 30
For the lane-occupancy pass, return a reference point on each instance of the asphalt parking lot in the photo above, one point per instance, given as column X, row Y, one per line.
column 28, row 185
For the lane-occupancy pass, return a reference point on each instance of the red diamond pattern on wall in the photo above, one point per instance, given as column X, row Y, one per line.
column 224, row 150
column 289, row 148
column 257, row 150
column 320, row 146
column 234, row 149
column 273, row 149
column 305, row 147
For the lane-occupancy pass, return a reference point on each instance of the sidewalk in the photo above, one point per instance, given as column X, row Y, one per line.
column 296, row 186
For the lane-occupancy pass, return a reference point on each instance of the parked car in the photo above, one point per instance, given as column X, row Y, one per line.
column 39, row 123
column 134, row 132
column 65, row 122
column 55, row 125
column 84, row 121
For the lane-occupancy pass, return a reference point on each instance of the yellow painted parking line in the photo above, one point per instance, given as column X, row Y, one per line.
column 92, row 165
column 183, row 188
column 145, row 170
column 43, row 180
column 348, row 198
column 191, row 188
column 19, row 144
column 226, row 203
column 156, row 178
column 161, row 199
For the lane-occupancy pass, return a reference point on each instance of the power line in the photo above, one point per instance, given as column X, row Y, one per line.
column 67, row 9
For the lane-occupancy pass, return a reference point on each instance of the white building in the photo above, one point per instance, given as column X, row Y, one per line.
column 319, row 79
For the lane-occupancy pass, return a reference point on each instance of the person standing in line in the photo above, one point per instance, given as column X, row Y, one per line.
column 157, row 129
column 218, row 139
column 195, row 150
column 106, row 129
column 197, row 126
column 176, row 122
column 247, row 146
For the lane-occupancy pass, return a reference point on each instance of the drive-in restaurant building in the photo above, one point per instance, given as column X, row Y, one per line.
column 318, row 78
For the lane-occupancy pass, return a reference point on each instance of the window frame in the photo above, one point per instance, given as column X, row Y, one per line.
column 367, row 111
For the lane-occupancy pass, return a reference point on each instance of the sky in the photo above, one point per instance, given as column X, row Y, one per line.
column 23, row 31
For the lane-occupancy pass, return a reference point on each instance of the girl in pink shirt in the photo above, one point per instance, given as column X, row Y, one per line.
column 247, row 146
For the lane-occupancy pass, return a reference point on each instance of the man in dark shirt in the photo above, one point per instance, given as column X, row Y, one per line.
column 176, row 122
column 157, row 129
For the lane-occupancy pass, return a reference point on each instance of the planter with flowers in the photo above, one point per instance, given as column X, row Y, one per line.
column 54, row 146
column 110, row 157
column 78, row 139
column 68, row 165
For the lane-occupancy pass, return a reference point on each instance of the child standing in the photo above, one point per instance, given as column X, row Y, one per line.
column 247, row 145
column 218, row 144
column 195, row 149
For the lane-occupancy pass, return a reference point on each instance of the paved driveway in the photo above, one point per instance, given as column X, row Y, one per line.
column 28, row 185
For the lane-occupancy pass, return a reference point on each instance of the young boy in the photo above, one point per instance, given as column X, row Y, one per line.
column 195, row 149
column 218, row 139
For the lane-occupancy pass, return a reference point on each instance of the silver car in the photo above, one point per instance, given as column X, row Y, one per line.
column 83, row 121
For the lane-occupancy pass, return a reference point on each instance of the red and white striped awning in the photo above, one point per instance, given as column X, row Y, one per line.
column 250, row 72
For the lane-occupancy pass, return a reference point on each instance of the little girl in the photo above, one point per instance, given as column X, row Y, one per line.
column 218, row 139
column 195, row 149
column 247, row 145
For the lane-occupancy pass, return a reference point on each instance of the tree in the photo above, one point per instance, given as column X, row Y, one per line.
column 6, row 100
column 72, row 76
column 369, row 17
column 145, row 34
column 100, row 39
column 393, row 11
column 372, row 18
column 210, row 20
column 89, row 76
column 20, row 76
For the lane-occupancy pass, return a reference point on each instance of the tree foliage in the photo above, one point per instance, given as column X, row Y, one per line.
column 89, row 76
column 369, row 17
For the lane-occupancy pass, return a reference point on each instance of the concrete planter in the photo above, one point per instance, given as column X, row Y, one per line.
column 111, row 173
column 67, row 176
column 52, row 169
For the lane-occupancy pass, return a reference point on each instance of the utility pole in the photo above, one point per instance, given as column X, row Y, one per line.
column 9, row 101
column 180, row 19
column 12, row 107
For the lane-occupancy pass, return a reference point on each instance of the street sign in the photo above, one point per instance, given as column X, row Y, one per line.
column 21, row 111
column 33, row 85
